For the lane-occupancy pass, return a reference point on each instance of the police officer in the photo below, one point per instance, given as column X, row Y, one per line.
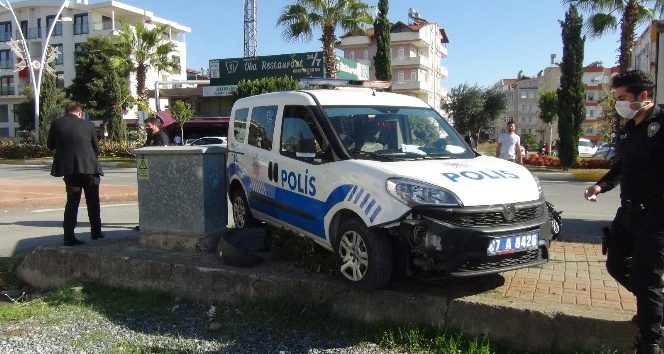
column 638, row 228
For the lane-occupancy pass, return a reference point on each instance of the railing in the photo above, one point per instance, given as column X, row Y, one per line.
column 31, row 33
column 104, row 25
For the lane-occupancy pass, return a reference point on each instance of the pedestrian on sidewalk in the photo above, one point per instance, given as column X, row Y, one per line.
column 509, row 144
column 75, row 159
column 638, row 228
column 156, row 136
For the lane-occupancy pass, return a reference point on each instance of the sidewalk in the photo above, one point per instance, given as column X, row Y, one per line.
column 574, row 283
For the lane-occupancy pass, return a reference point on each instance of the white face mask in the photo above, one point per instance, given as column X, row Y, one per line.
column 624, row 110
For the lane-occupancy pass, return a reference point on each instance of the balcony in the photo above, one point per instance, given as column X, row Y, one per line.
column 410, row 86
column 104, row 26
column 410, row 37
column 412, row 61
column 355, row 41
column 30, row 34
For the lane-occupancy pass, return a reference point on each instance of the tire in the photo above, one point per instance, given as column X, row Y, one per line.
column 364, row 257
column 241, row 212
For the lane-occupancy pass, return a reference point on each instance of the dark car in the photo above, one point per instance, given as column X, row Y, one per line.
column 605, row 151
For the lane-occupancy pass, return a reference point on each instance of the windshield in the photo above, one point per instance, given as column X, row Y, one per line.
column 396, row 132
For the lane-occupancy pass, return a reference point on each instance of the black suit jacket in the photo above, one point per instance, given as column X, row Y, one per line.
column 76, row 147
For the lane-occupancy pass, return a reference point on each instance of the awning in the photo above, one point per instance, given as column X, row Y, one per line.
column 166, row 117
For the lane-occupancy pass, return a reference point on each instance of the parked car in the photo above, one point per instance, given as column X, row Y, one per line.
column 209, row 140
column 586, row 148
column 383, row 181
column 605, row 151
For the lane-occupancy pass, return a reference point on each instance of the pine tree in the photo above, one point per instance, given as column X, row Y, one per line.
column 571, row 107
column 382, row 59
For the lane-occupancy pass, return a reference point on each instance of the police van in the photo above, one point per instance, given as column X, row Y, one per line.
column 384, row 182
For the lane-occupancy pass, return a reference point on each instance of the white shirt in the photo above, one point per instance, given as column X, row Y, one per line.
column 508, row 143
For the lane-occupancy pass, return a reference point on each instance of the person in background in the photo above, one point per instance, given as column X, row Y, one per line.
column 156, row 136
column 637, row 231
column 177, row 140
column 76, row 148
column 509, row 144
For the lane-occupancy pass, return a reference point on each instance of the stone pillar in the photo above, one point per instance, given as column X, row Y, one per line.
column 182, row 202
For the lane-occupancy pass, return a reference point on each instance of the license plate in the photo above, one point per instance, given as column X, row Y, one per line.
column 513, row 243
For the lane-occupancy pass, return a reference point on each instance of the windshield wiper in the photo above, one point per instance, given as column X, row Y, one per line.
column 373, row 154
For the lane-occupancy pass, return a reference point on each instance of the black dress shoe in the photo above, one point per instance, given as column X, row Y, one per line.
column 73, row 242
column 97, row 237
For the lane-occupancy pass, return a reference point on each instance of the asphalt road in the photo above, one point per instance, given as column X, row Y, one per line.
column 23, row 229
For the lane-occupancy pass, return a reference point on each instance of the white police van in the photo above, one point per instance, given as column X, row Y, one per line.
column 383, row 181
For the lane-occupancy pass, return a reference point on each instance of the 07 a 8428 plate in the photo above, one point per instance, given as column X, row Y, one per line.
column 514, row 243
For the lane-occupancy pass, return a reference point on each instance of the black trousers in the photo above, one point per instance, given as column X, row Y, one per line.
column 75, row 184
column 636, row 260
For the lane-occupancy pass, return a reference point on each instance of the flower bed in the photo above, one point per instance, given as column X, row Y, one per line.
column 552, row 161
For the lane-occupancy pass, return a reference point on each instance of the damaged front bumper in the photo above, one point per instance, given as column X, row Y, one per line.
column 472, row 241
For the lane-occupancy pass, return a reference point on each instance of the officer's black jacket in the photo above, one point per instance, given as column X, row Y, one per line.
column 639, row 167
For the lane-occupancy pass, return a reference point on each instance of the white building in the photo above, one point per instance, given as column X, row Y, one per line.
column 89, row 19
column 418, row 49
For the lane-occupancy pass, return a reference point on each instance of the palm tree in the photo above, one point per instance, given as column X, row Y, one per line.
column 604, row 18
column 300, row 19
column 147, row 48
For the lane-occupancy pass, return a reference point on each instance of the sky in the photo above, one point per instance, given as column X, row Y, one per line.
column 488, row 39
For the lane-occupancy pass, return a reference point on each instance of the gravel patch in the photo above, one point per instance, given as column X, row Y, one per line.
column 184, row 328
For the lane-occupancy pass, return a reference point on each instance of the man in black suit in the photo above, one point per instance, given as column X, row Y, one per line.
column 76, row 148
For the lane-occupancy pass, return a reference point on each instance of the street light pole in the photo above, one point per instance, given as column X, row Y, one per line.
column 39, row 66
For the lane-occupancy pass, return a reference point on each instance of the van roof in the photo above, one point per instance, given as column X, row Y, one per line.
column 341, row 96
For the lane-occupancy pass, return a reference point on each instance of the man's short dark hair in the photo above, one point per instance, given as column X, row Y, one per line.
column 510, row 122
column 636, row 81
column 153, row 120
column 72, row 107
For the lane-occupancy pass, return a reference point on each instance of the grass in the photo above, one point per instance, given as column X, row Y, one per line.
column 81, row 302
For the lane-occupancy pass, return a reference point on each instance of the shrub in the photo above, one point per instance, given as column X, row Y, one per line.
column 19, row 150
column 108, row 148
column 552, row 161
column 542, row 160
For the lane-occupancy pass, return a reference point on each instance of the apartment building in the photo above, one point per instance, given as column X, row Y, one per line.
column 522, row 106
column 418, row 48
column 523, row 101
column 35, row 18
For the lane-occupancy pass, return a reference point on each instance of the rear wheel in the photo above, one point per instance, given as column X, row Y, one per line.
column 241, row 212
column 364, row 256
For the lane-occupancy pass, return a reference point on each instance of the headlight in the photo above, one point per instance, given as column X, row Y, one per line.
column 539, row 185
column 414, row 193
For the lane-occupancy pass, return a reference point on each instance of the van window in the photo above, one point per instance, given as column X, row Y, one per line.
column 261, row 126
column 300, row 138
column 240, row 125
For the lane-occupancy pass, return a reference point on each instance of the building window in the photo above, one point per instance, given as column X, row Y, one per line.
column 25, row 29
column 81, row 24
column 77, row 47
column 6, row 59
column 57, row 31
column 59, row 60
column 401, row 53
column 106, row 23
column 4, row 113
column 523, row 108
column 366, row 55
column 5, row 31
column 4, row 132
column 531, row 94
column 7, row 85
column 60, row 79
column 400, row 78
column 413, row 76
column 524, row 94
column 591, row 113
column 351, row 55
column 176, row 59
column 530, row 119
column 39, row 27
column 591, row 96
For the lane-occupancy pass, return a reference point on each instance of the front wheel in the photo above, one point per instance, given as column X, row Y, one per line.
column 241, row 212
column 364, row 256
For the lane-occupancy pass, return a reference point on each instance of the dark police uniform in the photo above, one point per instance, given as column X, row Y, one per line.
column 638, row 229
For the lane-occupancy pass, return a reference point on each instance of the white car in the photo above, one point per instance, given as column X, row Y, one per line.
column 383, row 181
column 209, row 140
column 586, row 148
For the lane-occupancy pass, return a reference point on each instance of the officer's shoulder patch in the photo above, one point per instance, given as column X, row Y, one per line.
column 653, row 128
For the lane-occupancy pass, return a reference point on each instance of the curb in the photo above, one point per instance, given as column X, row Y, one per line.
column 531, row 326
column 35, row 162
